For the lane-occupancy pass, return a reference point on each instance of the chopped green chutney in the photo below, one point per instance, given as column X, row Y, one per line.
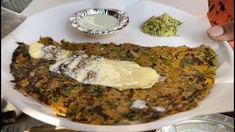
column 161, row 26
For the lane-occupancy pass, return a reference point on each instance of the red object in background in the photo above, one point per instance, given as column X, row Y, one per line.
column 232, row 44
column 221, row 11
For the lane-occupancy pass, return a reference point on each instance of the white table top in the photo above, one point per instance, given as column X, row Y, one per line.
column 189, row 6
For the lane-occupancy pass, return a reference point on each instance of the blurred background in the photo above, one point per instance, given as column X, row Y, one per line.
column 15, row 5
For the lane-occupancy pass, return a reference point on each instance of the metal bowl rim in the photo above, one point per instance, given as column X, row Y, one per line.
column 122, row 24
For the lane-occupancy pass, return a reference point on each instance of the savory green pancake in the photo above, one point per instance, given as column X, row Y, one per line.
column 186, row 76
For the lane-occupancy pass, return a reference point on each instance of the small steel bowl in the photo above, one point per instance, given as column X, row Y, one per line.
column 121, row 16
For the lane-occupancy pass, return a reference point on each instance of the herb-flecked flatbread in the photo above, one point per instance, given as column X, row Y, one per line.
column 187, row 76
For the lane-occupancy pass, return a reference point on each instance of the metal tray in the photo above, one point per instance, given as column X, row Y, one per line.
column 204, row 123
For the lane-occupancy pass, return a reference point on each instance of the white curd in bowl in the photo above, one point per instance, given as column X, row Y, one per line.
column 99, row 22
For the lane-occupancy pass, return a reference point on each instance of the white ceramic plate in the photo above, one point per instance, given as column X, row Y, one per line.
column 55, row 23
